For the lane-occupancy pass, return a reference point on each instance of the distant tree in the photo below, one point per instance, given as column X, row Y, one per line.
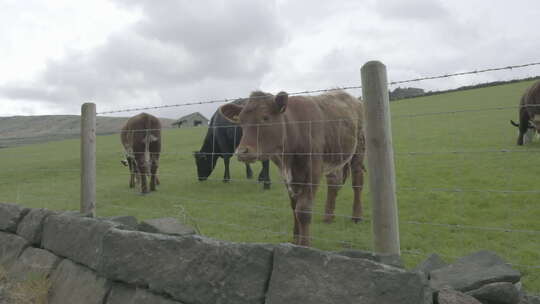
column 401, row 93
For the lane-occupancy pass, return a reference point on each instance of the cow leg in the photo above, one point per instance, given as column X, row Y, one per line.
column 335, row 182
column 153, row 172
column 523, row 124
column 307, row 175
column 249, row 172
column 357, row 172
column 227, row 176
column 264, row 175
column 154, row 149
column 142, row 171
column 132, row 172
column 296, row 224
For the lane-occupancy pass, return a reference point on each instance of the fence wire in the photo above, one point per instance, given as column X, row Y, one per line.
column 344, row 88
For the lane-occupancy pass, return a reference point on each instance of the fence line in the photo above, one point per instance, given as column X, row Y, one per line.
column 409, row 153
column 510, row 67
column 238, row 226
column 399, row 189
column 288, row 209
column 224, row 100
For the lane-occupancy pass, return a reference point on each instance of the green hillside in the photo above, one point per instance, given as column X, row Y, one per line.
column 23, row 130
column 457, row 193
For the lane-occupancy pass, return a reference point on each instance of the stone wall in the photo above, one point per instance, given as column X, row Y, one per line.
column 111, row 261
column 119, row 260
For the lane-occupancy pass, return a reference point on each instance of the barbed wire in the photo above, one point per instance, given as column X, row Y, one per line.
column 410, row 153
column 344, row 88
column 510, row 67
column 224, row 100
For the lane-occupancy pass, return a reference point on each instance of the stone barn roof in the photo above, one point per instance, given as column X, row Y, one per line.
column 190, row 119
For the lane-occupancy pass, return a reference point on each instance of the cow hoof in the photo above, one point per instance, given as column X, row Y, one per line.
column 226, row 181
column 356, row 220
column 266, row 186
column 328, row 219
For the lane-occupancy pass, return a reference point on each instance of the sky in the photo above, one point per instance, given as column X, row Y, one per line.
column 122, row 54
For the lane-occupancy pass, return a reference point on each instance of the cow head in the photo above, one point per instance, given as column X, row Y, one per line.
column 261, row 119
column 527, row 134
column 205, row 164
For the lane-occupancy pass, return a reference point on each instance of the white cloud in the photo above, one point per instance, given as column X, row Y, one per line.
column 132, row 53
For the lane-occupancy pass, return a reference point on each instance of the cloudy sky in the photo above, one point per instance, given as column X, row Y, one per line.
column 55, row 55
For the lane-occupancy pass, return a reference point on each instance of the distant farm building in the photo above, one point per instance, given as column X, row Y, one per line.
column 191, row 120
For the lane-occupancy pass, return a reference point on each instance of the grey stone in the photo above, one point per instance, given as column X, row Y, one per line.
column 126, row 220
column 77, row 238
column 305, row 275
column 450, row 296
column 497, row 293
column 11, row 246
column 10, row 215
column 191, row 269
column 31, row 226
column 33, row 262
column 392, row 260
column 122, row 294
column 474, row 271
column 72, row 283
column 166, row 225
column 145, row 297
column 529, row 299
column 75, row 213
column 433, row 262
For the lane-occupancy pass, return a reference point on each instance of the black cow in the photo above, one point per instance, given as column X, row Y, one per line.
column 221, row 140
column 529, row 113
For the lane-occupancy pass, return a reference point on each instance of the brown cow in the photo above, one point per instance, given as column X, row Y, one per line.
column 306, row 137
column 529, row 107
column 141, row 138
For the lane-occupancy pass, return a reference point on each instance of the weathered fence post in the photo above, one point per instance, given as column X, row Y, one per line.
column 380, row 156
column 88, row 159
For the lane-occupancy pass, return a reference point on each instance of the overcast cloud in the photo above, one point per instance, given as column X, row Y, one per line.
column 133, row 53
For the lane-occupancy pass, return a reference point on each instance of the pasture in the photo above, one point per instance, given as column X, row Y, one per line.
column 457, row 193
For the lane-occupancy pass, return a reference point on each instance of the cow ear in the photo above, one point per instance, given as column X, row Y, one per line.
column 230, row 112
column 281, row 101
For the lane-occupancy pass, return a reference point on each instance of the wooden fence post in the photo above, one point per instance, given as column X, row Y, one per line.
column 380, row 157
column 88, row 159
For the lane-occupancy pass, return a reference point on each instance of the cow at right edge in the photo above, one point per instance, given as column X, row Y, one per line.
column 529, row 114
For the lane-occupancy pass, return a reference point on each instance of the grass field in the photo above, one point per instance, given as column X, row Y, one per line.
column 487, row 185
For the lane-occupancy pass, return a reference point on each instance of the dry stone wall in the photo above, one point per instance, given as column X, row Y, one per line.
column 111, row 261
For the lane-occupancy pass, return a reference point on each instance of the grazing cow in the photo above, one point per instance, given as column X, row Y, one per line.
column 529, row 112
column 306, row 137
column 141, row 139
column 221, row 140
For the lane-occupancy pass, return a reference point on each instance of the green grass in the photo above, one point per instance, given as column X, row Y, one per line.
column 242, row 211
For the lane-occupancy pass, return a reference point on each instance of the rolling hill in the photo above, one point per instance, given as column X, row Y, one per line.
column 22, row 130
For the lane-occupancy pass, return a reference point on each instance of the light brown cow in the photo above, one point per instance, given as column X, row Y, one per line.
column 141, row 138
column 306, row 137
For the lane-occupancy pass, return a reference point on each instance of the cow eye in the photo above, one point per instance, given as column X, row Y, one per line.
column 265, row 118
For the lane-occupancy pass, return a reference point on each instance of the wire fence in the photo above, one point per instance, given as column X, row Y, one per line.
column 459, row 190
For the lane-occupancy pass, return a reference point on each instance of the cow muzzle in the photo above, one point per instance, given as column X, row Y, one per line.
column 246, row 154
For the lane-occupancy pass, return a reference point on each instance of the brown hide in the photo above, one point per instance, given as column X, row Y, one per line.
column 306, row 137
column 529, row 106
column 141, row 139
